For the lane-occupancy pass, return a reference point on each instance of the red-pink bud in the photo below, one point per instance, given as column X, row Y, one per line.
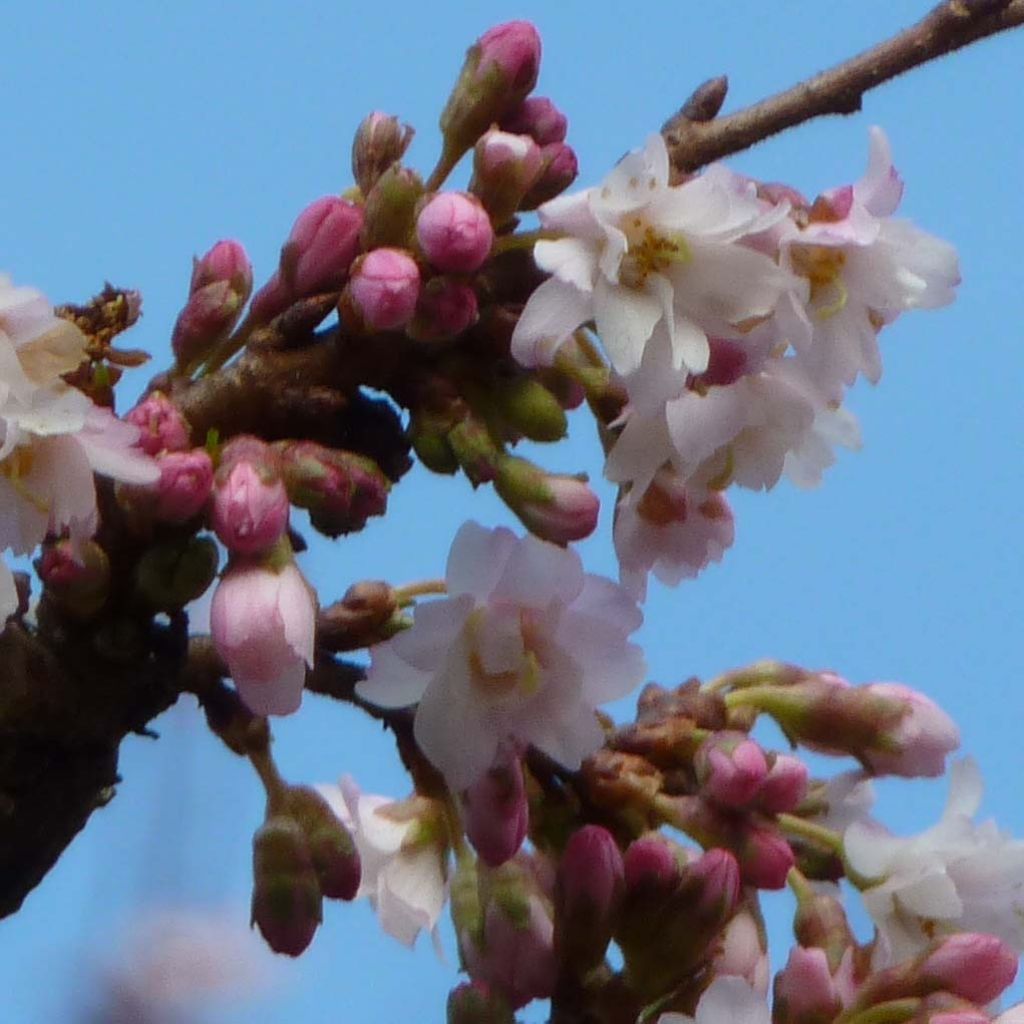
column 263, row 624
column 446, row 308
column 455, row 232
column 731, row 769
column 553, row 507
column 512, row 49
column 496, row 812
column 186, row 479
column 316, row 257
column 76, row 575
column 161, row 425
column 559, row 172
column 785, row 786
column 650, row 863
column 804, row 990
column 226, row 261
column 250, row 508
column 591, row 874
column 765, row 857
column 538, row 117
column 717, row 877
column 505, row 167
column 384, row 287
column 972, row 966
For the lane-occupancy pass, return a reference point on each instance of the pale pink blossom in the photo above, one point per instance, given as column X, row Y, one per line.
column 956, row 876
column 403, row 852
column 917, row 746
column 727, row 1000
column 742, row 953
column 637, row 252
column 263, row 623
column 523, row 649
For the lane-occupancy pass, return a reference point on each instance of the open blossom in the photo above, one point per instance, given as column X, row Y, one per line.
column 52, row 437
column 523, row 649
column 957, row 876
column 860, row 269
column 727, row 1000
column 403, row 854
column 638, row 252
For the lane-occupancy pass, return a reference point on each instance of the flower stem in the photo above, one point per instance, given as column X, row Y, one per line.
column 817, row 834
column 524, row 240
column 275, row 786
column 407, row 593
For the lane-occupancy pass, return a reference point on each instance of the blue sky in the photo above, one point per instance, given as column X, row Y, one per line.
column 136, row 135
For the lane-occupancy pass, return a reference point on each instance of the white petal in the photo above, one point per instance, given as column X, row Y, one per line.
column 730, row 1000
column 540, row 573
column 966, row 788
column 881, row 188
column 391, row 682
column 571, row 260
column 625, row 319
column 553, row 312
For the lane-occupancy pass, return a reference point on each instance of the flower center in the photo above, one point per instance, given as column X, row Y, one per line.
column 523, row 678
column 822, row 265
column 649, row 252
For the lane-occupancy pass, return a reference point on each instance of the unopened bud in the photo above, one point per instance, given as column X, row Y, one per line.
column 496, row 812
column 651, row 864
column 331, row 847
column 221, row 285
column 383, row 289
column 505, row 168
column 250, row 503
column 454, row 232
column 553, row 507
column 530, row 409
column 380, row 141
column 970, row 965
column 184, row 487
column 731, row 768
column 316, row 257
column 161, row 426
column 75, row 576
column 785, row 786
column 804, row 990
column 742, row 952
column 340, row 489
column 559, row 171
column 390, row 209
column 473, row 1002
column 474, row 448
column 359, row 619
column 500, row 71
column 287, row 905
column 589, row 889
column 174, row 573
column 820, row 921
column 446, row 308
column 538, row 117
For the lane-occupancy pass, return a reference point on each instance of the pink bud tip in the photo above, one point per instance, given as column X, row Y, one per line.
column 922, row 739
column 513, row 49
column 720, row 874
column 455, row 232
column 972, row 966
column 250, row 512
column 539, row 118
column 384, row 287
column 496, row 811
column 731, row 769
column 766, row 858
column 226, row 261
column 804, row 988
column 650, row 863
column 186, row 479
column 446, row 309
column 161, row 425
column 591, row 872
column 785, row 786
column 560, row 170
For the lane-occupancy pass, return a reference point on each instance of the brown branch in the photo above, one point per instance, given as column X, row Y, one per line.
column 946, row 28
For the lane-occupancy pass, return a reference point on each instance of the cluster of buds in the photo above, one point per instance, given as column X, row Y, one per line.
column 301, row 854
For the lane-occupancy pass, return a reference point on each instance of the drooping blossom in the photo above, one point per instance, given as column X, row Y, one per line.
column 727, row 1000
column 860, row 269
column 523, row 649
column 403, row 853
column 263, row 621
column 956, row 876
column 637, row 252
column 52, row 437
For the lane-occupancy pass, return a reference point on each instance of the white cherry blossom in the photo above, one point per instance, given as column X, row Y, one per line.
column 956, row 876
column 523, row 649
column 727, row 1000
column 637, row 252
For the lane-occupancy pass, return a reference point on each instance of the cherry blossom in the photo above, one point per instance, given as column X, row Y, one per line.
column 729, row 999
column 524, row 648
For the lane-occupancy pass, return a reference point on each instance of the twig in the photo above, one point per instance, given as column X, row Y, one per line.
column 949, row 26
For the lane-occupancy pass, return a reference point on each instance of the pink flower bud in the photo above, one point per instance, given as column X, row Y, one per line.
column 455, row 232
column 263, row 625
column 918, row 744
column 559, row 172
column 958, row 1015
column 765, row 857
column 716, row 876
column 496, row 811
column 186, row 480
column 591, row 877
column 727, row 362
column 250, row 508
column 76, row 575
column 731, row 768
column 161, row 425
column 555, row 508
column 446, row 308
column 513, row 50
column 316, row 257
column 221, row 285
column 287, row 906
column 650, row 863
column 785, row 786
column 972, row 966
column 384, row 287
column 804, row 990
column 505, row 167
column 538, row 117
column 379, row 142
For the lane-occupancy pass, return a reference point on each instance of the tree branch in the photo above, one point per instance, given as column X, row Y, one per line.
column 949, row 26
